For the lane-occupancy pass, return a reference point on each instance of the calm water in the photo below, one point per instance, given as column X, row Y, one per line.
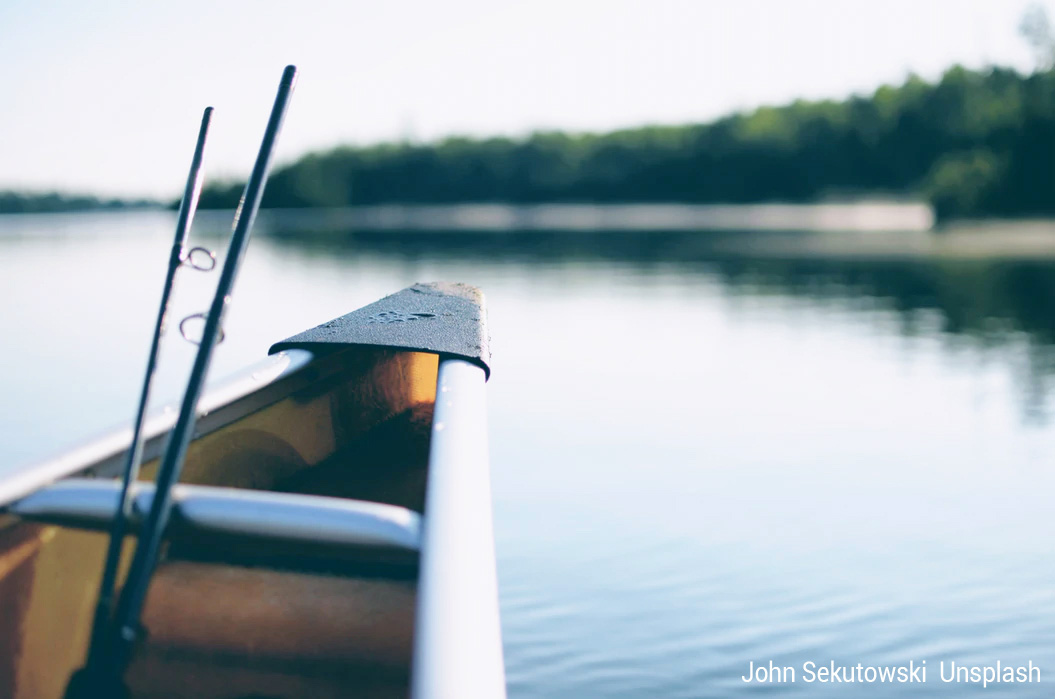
column 699, row 460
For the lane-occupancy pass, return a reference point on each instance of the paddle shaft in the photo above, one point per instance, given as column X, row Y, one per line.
column 133, row 594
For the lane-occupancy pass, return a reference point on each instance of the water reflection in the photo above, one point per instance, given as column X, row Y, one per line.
column 700, row 457
column 1005, row 306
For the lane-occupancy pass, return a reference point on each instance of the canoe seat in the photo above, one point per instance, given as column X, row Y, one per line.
column 239, row 521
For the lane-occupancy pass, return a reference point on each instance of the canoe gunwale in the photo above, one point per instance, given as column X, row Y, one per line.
column 458, row 637
column 250, row 387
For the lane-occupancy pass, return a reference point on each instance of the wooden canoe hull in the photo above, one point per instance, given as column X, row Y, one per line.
column 352, row 424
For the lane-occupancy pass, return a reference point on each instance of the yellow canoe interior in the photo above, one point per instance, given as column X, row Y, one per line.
column 226, row 623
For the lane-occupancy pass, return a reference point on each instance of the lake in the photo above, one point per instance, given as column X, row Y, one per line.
column 703, row 454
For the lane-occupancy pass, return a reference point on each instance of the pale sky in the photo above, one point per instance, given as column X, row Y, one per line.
column 105, row 97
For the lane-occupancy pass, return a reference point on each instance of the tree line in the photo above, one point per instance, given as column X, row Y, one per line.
column 973, row 143
column 12, row 202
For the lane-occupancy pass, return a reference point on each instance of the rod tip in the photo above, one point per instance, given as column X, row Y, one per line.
column 289, row 74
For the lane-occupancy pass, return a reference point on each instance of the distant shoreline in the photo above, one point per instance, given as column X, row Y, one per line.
column 17, row 203
column 864, row 215
column 860, row 230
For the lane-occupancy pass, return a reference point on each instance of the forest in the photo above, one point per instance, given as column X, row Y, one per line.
column 12, row 202
column 974, row 143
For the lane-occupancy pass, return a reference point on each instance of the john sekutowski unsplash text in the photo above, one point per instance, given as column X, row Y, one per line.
column 948, row 672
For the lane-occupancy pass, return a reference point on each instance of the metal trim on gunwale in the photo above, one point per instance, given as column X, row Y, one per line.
column 458, row 636
column 20, row 481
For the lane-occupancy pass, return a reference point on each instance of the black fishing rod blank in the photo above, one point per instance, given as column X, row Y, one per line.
column 196, row 258
column 126, row 621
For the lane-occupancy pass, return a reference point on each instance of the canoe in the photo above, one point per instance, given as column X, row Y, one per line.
column 331, row 534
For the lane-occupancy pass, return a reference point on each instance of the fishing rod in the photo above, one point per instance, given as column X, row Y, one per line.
column 125, row 627
column 179, row 257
